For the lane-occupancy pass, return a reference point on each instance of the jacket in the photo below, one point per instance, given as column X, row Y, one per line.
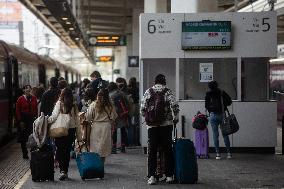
column 74, row 123
column 213, row 101
column 172, row 109
column 40, row 130
column 26, row 109
column 48, row 100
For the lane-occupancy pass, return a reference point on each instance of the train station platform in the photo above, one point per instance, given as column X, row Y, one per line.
column 128, row 171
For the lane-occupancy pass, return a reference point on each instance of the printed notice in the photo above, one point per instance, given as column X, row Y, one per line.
column 205, row 72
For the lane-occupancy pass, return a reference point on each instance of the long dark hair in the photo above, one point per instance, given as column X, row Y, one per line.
column 67, row 100
column 103, row 101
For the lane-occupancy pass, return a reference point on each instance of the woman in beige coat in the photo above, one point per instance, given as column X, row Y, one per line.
column 101, row 113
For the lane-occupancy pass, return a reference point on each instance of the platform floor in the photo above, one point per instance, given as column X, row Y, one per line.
column 128, row 171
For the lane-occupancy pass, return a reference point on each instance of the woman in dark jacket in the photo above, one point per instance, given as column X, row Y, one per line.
column 215, row 107
column 26, row 112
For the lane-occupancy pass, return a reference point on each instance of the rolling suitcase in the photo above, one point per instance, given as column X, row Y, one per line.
column 42, row 165
column 202, row 143
column 185, row 161
column 89, row 164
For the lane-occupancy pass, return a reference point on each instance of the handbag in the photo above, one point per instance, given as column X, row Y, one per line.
column 230, row 124
column 60, row 127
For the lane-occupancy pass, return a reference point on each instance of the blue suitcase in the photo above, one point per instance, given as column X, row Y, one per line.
column 90, row 165
column 186, row 168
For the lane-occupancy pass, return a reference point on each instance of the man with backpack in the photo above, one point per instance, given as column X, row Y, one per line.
column 122, row 109
column 216, row 102
column 97, row 82
column 158, row 107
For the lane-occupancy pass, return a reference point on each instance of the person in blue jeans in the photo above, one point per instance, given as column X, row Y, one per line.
column 213, row 105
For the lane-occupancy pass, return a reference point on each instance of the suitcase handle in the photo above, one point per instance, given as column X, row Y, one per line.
column 84, row 144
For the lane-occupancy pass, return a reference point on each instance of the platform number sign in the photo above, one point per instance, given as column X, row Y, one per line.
column 158, row 26
column 257, row 25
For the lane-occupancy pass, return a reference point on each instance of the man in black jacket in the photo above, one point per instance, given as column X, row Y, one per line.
column 215, row 106
column 97, row 82
column 50, row 97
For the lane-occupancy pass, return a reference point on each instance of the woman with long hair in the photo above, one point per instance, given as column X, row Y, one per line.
column 101, row 114
column 66, row 105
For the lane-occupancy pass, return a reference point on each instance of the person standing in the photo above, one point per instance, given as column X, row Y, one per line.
column 97, row 82
column 102, row 114
column 50, row 97
column 161, row 100
column 121, row 106
column 66, row 105
column 213, row 104
column 26, row 112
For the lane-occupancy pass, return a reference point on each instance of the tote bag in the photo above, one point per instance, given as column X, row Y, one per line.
column 230, row 124
column 60, row 127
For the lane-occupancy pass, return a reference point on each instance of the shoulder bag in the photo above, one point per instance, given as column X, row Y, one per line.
column 230, row 124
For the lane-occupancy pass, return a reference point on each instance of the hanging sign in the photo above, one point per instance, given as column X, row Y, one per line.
column 205, row 72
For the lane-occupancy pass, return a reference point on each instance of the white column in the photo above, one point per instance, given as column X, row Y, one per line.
column 193, row 6
column 155, row 6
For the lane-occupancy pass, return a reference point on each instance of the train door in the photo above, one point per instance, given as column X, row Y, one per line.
column 42, row 74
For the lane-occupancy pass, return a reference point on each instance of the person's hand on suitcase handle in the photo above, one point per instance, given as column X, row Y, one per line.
column 176, row 120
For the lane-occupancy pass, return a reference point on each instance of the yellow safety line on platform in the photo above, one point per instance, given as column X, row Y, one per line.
column 23, row 180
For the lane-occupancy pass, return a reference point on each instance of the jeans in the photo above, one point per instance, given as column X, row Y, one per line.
column 123, row 136
column 215, row 120
column 160, row 137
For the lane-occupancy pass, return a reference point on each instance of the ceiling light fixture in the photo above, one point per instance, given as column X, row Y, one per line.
column 68, row 23
column 71, row 29
column 64, row 18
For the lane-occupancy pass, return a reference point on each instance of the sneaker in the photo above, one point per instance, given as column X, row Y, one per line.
column 113, row 150
column 123, row 149
column 229, row 156
column 218, row 156
column 152, row 180
column 169, row 180
column 63, row 176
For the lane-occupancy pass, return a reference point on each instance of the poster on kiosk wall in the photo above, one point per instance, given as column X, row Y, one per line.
column 205, row 72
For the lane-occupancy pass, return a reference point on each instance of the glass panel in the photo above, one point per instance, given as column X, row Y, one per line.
column 153, row 67
column 194, row 80
column 254, row 79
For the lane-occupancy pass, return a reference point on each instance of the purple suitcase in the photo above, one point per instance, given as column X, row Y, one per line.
column 202, row 143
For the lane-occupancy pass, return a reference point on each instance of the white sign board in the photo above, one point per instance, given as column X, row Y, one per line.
column 254, row 34
column 205, row 72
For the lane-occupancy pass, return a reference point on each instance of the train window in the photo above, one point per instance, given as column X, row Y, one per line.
column 2, row 76
column 254, row 79
column 195, row 74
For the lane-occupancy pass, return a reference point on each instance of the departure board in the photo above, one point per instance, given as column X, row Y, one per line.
column 206, row 35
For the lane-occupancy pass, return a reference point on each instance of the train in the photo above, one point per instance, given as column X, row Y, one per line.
column 277, row 86
column 19, row 67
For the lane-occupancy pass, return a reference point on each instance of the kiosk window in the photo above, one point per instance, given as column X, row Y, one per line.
column 254, row 79
column 195, row 74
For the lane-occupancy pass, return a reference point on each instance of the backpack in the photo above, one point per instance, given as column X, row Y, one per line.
column 199, row 121
column 216, row 104
column 156, row 108
column 120, row 106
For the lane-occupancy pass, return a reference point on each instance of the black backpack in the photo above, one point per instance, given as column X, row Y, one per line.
column 216, row 103
column 156, row 107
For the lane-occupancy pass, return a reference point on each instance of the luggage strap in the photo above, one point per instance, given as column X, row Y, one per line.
column 84, row 142
column 175, row 131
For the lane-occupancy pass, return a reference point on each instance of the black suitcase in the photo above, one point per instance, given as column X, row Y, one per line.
column 42, row 164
